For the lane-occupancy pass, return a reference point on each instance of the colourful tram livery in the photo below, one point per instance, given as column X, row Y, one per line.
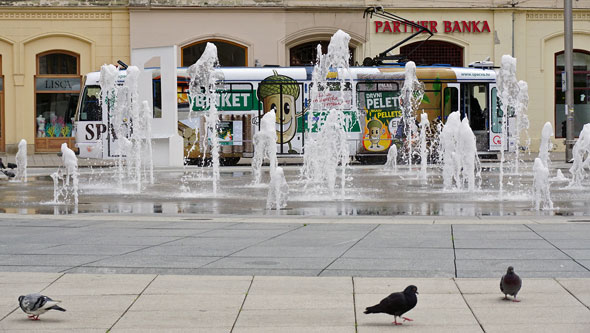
column 371, row 99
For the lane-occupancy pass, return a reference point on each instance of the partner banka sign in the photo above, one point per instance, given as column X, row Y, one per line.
column 434, row 26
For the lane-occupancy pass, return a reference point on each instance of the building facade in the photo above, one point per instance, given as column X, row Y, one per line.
column 44, row 53
column 45, row 50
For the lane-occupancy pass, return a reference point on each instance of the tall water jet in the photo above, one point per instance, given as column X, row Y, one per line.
column 541, row 195
column 522, row 121
column 392, row 158
column 458, row 152
column 327, row 149
column 507, row 92
column 448, row 150
column 467, row 149
column 546, row 145
column 581, row 155
column 424, row 128
column 68, row 189
column 203, row 88
column 265, row 146
column 21, row 161
column 278, row 190
column 411, row 96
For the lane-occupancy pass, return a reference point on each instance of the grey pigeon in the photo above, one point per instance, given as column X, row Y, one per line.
column 37, row 304
column 397, row 304
column 510, row 284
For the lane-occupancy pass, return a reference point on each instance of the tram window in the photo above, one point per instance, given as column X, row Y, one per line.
column 477, row 113
column 91, row 110
column 497, row 113
column 451, row 102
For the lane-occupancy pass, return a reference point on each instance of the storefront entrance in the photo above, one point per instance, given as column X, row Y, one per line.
column 57, row 86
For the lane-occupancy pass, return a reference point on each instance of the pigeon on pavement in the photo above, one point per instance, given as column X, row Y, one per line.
column 37, row 304
column 397, row 304
column 510, row 284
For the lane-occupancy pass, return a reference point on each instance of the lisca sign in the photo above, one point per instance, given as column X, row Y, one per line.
column 434, row 26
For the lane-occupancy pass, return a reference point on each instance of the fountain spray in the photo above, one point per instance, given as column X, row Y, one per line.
column 203, row 87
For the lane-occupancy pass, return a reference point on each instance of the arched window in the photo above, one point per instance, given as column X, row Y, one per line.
column 57, row 86
column 433, row 52
column 581, row 62
column 306, row 54
column 229, row 54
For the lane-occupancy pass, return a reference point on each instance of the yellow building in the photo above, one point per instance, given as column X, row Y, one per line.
column 46, row 49
column 44, row 53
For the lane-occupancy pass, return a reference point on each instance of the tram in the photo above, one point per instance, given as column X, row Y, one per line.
column 371, row 100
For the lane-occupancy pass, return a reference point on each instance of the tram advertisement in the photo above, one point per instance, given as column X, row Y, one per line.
column 383, row 114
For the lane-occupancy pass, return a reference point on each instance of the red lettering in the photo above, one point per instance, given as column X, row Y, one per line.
column 378, row 24
column 447, row 26
column 456, row 26
column 396, row 26
column 424, row 24
column 433, row 26
column 485, row 27
column 475, row 26
column 387, row 27
column 466, row 26
column 405, row 28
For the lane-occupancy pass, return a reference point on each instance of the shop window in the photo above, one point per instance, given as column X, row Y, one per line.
column 433, row 52
column 306, row 54
column 57, row 86
column 229, row 54
column 581, row 62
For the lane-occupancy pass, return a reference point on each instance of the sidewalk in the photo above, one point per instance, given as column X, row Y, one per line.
column 173, row 303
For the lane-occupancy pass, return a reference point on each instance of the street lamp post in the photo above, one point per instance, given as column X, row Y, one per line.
column 569, row 77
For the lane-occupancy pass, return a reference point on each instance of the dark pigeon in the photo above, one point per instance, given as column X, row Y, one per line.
column 37, row 304
column 397, row 304
column 510, row 284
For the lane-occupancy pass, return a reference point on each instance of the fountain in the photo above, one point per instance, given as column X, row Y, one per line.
column 411, row 96
column 203, row 88
column 265, row 146
column 424, row 127
column 130, row 121
column 21, row 161
column 581, row 155
column 522, row 121
column 459, row 154
column 327, row 149
column 65, row 183
column 546, row 145
column 278, row 189
column 541, row 195
column 507, row 94
column 392, row 158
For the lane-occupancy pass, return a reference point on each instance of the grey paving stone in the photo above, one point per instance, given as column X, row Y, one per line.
column 46, row 260
column 502, row 244
column 257, row 271
column 131, row 270
column 433, row 265
column 489, row 227
column 91, row 249
column 572, row 243
column 527, row 274
column 273, row 263
column 389, row 273
column 399, row 253
column 22, row 268
column 509, row 254
column 259, row 234
column 458, row 234
column 409, row 242
column 292, row 251
column 500, row 265
column 159, row 261
column 578, row 254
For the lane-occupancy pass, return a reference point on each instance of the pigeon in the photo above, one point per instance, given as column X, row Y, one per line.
column 397, row 304
column 510, row 284
column 37, row 304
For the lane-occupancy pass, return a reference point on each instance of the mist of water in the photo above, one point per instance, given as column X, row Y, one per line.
column 541, row 193
column 581, row 156
column 424, row 128
column 21, row 161
column 507, row 94
column 411, row 96
column 265, row 146
column 278, row 189
column 203, row 87
column 326, row 152
column 392, row 158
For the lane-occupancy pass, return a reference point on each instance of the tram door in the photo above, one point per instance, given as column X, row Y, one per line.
column 474, row 106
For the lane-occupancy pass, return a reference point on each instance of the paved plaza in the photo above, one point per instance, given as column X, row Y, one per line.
column 198, row 273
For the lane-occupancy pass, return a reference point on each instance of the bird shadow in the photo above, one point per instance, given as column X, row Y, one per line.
column 41, row 320
column 384, row 324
